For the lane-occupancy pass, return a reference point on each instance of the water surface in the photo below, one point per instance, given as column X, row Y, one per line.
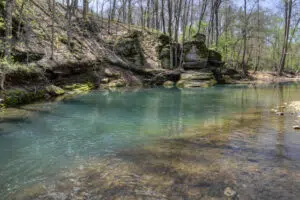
column 153, row 144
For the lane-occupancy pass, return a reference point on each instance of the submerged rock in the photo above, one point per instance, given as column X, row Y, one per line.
column 54, row 90
column 230, row 193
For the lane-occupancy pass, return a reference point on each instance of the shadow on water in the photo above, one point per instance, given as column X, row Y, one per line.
column 204, row 145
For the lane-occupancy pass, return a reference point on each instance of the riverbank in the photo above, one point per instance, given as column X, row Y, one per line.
column 115, row 78
column 269, row 78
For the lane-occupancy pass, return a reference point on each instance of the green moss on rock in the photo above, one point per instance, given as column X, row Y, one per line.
column 200, row 46
column 214, row 55
column 54, row 90
column 19, row 96
column 80, row 87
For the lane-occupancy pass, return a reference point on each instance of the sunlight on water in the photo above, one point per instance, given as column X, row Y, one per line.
column 153, row 144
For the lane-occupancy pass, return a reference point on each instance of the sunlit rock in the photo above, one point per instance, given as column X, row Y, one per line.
column 54, row 90
column 169, row 84
column 117, row 83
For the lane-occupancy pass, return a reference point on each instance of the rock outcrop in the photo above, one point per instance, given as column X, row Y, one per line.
column 201, row 65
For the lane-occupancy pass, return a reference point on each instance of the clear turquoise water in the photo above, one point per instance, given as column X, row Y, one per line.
column 44, row 139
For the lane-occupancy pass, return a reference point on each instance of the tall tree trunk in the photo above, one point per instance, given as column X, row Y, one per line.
column 216, row 11
column 157, row 25
column 129, row 13
column 183, row 28
column 69, row 17
column 113, row 10
column 163, row 16
column 170, row 11
column 258, row 37
column 287, row 22
column 192, row 19
column 52, row 30
column 244, row 67
column 85, row 9
column 203, row 10
column 210, row 30
column 9, row 7
column 148, row 14
column 177, row 21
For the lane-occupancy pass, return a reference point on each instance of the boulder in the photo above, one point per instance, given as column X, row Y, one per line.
column 195, row 51
column 196, row 79
column 169, row 84
column 110, row 73
column 192, row 75
column 54, row 90
column 129, row 47
column 195, row 55
column 199, row 37
column 164, row 39
column 104, row 80
column 117, row 83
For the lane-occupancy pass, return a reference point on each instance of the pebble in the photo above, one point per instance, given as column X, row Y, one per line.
column 229, row 192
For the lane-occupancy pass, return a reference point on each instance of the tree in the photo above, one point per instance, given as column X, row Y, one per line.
column 287, row 24
column 85, row 9
column 244, row 34
column 9, row 7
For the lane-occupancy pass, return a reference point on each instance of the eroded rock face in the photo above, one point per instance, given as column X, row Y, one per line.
column 196, row 79
column 129, row 47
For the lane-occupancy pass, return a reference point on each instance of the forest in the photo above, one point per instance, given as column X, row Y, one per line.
column 250, row 34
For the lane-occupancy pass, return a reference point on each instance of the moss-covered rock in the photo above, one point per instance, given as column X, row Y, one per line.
column 164, row 39
column 214, row 55
column 54, row 90
column 199, row 37
column 195, row 51
column 130, row 48
column 19, row 96
column 80, row 87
